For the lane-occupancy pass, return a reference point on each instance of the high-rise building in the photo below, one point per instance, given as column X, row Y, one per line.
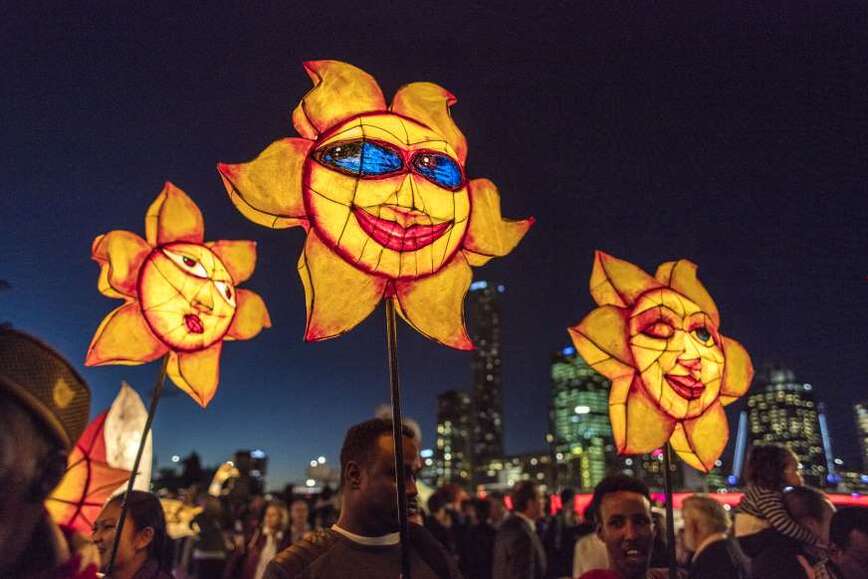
column 861, row 410
column 453, row 455
column 784, row 411
column 580, row 434
column 484, row 328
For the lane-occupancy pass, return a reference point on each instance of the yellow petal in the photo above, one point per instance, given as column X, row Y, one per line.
column 197, row 373
column 338, row 296
column 429, row 104
column 173, row 217
column 647, row 426
column 251, row 316
column 123, row 337
column 340, row 91
column 268, row 190
column 700, row 441
column 489, row 234
column 602, row 340
column 737, row 371
column 617, row 282
column 434, row 305
column 239, row 257
column 120, row 255
column 681, row 276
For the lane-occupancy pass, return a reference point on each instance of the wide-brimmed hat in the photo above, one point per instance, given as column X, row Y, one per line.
column 45, row 383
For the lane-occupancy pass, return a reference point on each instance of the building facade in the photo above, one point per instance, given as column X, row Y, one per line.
column 453, row 455
column 861, row 410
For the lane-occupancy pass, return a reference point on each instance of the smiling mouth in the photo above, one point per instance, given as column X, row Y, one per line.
column 687, row 387
column 393, row 235
column 194, row 324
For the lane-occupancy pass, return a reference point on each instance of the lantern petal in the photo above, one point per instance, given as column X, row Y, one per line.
column 123, row 337
column 601, row 339
column 268, row 189
column 681, row 276
column 239, row 257
column 700, row 441
column 120, row 255
column 488, row 233
column 737, row 371
column 434, row 305
column 338, row 296
column 197, row 373
column 429, row 103
column 173, row 217
column 251, row 316
column 646, row 427
column 617, row 282
column 340, row 91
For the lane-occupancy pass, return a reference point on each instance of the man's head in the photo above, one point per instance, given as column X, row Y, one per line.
column 526, row 500
column 703, row 517
column 44, row 407
column 368, row 475
column 624, row 523
column 811, row 509
column 299, row 513
column 849, row 541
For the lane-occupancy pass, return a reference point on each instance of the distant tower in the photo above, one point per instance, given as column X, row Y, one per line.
column 484, row 327
column 861, row 410
column 454, row 436
column 580, row 434
column 783, row 411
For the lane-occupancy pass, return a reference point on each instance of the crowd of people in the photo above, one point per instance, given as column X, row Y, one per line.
column 781, row 528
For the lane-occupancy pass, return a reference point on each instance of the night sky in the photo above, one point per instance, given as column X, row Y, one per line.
column 734, row 137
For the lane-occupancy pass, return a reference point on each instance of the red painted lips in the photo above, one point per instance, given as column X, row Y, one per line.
column 393, row 235
column 687, row 387
column 194, row 324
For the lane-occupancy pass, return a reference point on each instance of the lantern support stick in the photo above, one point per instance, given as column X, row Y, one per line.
column 397, row 435
column 155, row 398
column 670, row 517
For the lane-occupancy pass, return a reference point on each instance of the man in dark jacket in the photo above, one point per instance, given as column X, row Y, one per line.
column 518, row 551
column 716, row 555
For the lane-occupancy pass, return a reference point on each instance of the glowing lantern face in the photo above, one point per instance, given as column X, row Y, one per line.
column 388, row 194
column 382, row 193
column 188, row 297
column 672, row 371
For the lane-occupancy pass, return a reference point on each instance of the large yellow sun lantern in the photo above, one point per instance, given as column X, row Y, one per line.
column 672, row 371
column 180, row 295
column 383, row 195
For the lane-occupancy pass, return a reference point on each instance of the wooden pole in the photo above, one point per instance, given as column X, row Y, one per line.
column 670, row 518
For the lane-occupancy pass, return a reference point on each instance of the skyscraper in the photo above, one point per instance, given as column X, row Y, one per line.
column 453, row 455
column 784, row 411
column 580, row 434
column 861, row 410
column 484, row 327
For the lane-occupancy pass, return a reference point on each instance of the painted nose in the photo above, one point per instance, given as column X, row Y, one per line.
column 691, row 364
column 204, row 301
column 405, row 196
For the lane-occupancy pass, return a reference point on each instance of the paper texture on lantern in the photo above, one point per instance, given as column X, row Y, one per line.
column 123, row 432
column 180, row 295
column 224, row 472
column 88, row 483
column 658, row 340
column 381, row 191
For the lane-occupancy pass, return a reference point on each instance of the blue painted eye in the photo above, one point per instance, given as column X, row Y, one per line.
column 439, row 169
column 362, row 158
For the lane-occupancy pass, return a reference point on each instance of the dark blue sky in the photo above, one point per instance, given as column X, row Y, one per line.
column 732, row 136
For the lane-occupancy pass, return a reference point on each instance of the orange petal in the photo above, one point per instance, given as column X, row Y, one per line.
column 617, row 282
column 737, row 371
column 197, row 373
column 120, row 255
column 434, row 305
column 173, row 217
column 647, row 426
column 338, row 296
column 251, row 316
column 681, row 276
column 340, row 91
column 239, row 257
column 268, row 190
column 123, row 337
column 602, row 340
column 700, row 441
column 489, row 234
column 429, row 104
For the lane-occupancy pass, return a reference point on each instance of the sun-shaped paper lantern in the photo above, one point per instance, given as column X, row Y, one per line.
column 180, row 295
column 382, row 192
column 672, row 371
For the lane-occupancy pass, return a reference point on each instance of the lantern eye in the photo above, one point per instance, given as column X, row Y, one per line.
column 703, row 335
column 188, row 264
column 362, row 158
column 660, row 329
column 438, row 168
column 226, row 292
